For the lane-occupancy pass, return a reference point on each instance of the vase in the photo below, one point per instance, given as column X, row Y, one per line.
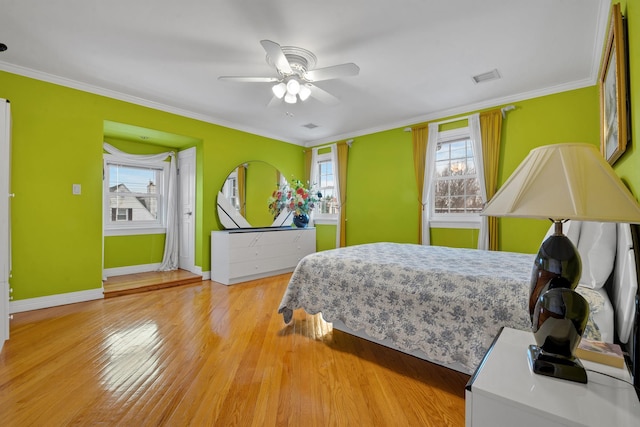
column 301, row 221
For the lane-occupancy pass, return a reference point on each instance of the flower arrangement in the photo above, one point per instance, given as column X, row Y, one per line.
column 294, row 197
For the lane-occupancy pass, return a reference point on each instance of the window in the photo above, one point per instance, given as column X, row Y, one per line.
column 134, row 197
column 230, row 189
column 456, row 197
column 328, row 209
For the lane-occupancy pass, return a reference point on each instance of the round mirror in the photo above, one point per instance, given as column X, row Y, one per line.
column 243, row 198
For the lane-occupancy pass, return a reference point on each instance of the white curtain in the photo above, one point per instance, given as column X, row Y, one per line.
column 336, row 187
column 313, row 178
column 476, row 139
column 170, row 258
column 430, row 170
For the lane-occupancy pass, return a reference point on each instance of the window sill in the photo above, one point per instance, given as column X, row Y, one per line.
column 455, row 223
column 134, row 231
column 325, row 221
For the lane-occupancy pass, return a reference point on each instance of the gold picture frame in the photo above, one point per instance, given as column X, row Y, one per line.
column 613, row 90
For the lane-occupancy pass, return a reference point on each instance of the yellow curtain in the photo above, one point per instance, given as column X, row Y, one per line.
column 491, row 130
column 307, row 165
column 343, row 155
column 419, row 137
column 242, row 179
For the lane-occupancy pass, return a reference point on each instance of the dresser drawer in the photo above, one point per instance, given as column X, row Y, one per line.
column 242, row 256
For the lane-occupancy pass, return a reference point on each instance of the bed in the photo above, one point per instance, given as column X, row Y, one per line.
column 446, row 305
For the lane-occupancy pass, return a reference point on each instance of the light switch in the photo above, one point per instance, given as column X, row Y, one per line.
column 77, row 189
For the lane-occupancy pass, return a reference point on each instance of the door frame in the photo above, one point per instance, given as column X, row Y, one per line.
column 189, row 153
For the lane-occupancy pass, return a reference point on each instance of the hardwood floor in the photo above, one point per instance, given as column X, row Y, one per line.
column 208, row 354
column 150, row 281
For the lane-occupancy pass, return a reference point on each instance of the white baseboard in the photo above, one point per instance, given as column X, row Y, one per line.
column 89, row 295
column 131, row 269
column 54, row 300
column 206, row 275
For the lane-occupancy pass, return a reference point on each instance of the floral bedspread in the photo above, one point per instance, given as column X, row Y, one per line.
column 448, row 303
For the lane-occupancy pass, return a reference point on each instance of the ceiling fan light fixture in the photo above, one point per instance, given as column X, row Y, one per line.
column 279, row 90
column 304, row 92
column 290, row 98
column 293, row 87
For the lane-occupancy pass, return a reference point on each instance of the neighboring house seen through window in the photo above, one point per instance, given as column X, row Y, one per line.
column 134, row 197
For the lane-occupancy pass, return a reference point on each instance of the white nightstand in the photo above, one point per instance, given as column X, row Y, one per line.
column 505, row 392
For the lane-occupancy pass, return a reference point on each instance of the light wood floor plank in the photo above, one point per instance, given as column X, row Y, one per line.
column 207, row 354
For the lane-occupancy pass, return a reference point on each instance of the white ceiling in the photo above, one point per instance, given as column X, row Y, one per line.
column 416, row 57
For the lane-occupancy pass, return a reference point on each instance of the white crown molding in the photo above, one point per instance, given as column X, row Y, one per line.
column 55, row 300
column 465, row 109
column 85, row 87
column 62, row 81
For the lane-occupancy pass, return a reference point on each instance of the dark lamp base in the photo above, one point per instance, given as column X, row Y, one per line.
column 557, row 367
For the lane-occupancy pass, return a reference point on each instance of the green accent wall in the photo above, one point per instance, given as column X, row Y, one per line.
column 571, row 116
column 628, row 166
column 57, row 141
column 262, row 180
column 123, row 251
column 382, row 196
column 325, row 237
column 57, row 136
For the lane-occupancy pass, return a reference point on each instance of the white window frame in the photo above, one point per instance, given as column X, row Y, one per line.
column 125, row 228
column 230, row 189
column 449, row 220
column 319, row 217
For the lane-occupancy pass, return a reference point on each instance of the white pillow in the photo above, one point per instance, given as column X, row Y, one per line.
column 597, row 247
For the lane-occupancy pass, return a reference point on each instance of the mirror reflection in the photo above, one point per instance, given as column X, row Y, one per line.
column 242, row 199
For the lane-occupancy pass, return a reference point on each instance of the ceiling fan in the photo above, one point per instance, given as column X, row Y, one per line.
column 296, row 74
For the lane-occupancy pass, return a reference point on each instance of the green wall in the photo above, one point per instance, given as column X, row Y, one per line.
column 261, row 180
column 382, row 196
column 124, row 251
column 628, row 166
column 57, row 141
column 57, row 137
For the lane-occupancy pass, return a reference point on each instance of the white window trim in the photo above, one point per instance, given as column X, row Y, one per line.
column 440, row 220
column 326, row 219
column 318, row 217
column 127, row 229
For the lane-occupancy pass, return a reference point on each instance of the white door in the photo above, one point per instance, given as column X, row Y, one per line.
column 187, row 199
column 5, row 226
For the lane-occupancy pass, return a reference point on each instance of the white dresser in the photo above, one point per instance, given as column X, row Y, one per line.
column 242, row 255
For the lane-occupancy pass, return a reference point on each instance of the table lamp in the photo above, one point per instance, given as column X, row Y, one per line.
column 560, row 182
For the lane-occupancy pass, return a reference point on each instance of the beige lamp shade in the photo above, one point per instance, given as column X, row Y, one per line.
column 565, row 181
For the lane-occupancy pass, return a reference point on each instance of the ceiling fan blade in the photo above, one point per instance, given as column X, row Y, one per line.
column 333, row 72
column 276, row 54
column 274, row 101
column 242, row 79
column 322, row 95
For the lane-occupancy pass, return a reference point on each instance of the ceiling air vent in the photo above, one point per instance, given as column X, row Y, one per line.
column 485, row 77
column 310, row 126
